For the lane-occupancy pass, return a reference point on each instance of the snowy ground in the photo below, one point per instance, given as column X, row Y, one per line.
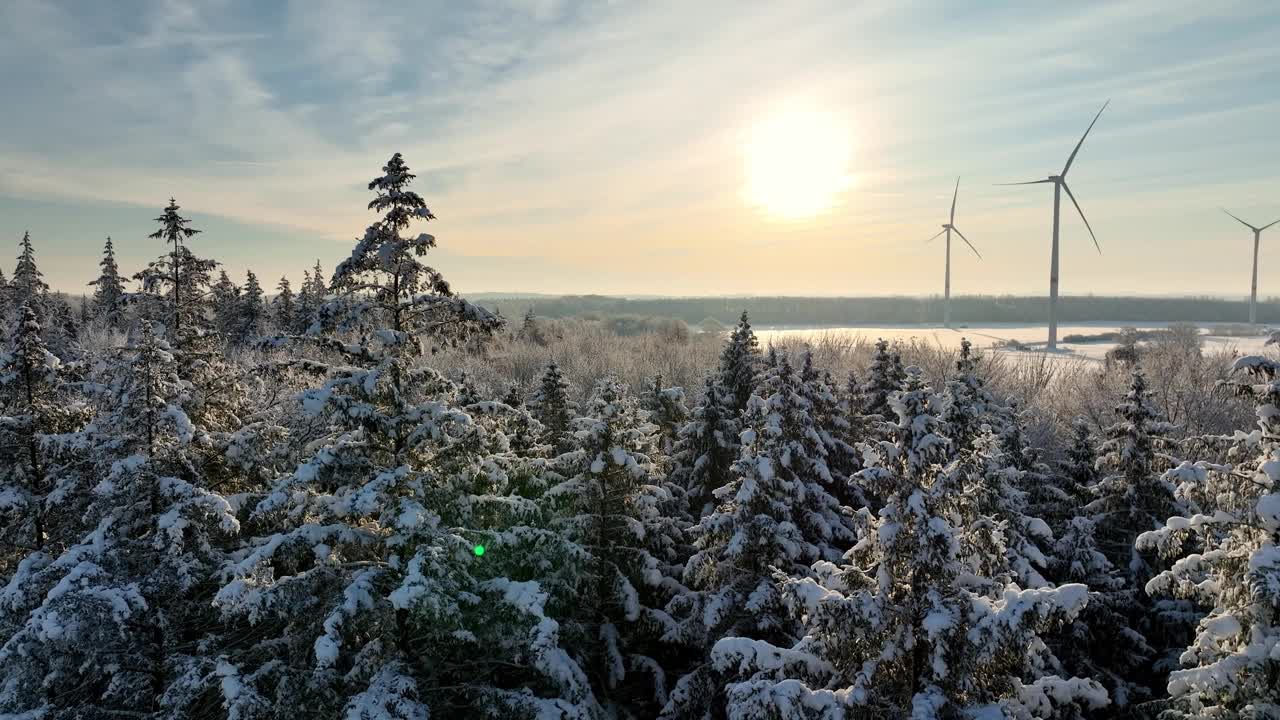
column 997, row 335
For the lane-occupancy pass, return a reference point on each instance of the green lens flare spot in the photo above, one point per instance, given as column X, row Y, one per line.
column 478, row 550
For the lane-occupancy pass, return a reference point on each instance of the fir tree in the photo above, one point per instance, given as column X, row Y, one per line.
column 884, row 377
column 1133, row 497
column 614, row 505
column 28, row 286
column 175, row 230
column 739, row 363
column 667, row 411
column 226, row 306
column 252, row 310
column 705, row 450
column 775, row 516
column 108, row 294
column 550, row 405
column 286, row 312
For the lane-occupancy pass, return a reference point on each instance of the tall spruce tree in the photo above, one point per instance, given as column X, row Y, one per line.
column 616, row 507
column 706, row 448
column 550, row 405
column 286, row 312
column 252, row 310
column 175, row 230
column 740, row 363
column 108, row 293
column 225, row 297
column 28, row 286
column 885, row 376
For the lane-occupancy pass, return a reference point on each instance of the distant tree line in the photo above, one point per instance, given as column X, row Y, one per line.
column 836, row 311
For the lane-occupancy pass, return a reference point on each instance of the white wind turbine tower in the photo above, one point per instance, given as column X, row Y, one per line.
column 947, row 228
column 1253, row 291
column 1060, row 184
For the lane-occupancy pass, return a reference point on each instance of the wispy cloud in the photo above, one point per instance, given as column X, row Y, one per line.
column 583, row 133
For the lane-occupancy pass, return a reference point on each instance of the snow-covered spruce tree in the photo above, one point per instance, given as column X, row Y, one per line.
column 1227, row 547
column 667, row 412
column 28, row 286
column 705, row 450
column 615, row 506
column 252, row 311
column 969, row 409
column 182, row 276
column 550, row 405
column 834, row 430
column 113, row 621
column 225, row 298
column 740, row 363
column 401, row 569
column 1133, row 497
column 1078, row 468
column 35, row 401
column 1101, row 642
column 108, row 292
column 285, row 309
column 775, row 516
column 896, row 631
column 884, row 377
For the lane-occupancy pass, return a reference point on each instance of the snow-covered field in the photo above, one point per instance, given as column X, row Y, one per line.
column 997, row 336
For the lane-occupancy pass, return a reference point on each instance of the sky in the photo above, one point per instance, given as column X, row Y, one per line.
column 657, row 148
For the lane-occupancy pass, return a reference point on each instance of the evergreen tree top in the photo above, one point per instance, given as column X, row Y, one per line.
column 173, row 227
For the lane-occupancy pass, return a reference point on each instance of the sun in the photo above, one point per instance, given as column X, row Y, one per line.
column 797, row 161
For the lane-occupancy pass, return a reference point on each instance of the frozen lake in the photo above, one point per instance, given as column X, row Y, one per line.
column 998, row 336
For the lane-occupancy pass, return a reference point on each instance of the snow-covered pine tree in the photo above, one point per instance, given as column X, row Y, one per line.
column 1100, row 642
column 1227, row 551
column 615, row 506
column 286, row 311
column 833, row 427
column 185, row 275
column 252, row 311
column 108, row 293
column 775, row 516
column 550, row 405
column 225, row 297
column 1079, row 467
column 740, row 363
column 400, row 570
column 28, row 286
column 708, row 445
column 968, row 407
column 885, row 376
column 114, row 621
column 1133, row 497
column 896, row 631
column 667, row 412
column 34, row 402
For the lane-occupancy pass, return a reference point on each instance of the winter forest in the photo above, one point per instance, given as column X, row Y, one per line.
column 368, row 498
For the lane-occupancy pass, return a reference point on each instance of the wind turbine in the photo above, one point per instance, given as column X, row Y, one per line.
column 1253, row 291
column 1059, row 184
column 947, row 228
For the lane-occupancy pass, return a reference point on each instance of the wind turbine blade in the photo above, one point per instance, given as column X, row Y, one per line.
column 1264, row 227
column 1029, row 182
column 953, row 201
column 935, row 237
column 1072, row 158
column 1082, row 217
column 1241, row 221
column 966, row 242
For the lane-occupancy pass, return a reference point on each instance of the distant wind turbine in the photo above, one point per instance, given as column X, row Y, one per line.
column 947, row 228
column 1253, row 291
column 1059, row 184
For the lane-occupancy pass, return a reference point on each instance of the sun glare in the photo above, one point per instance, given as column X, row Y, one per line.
column 797, row 161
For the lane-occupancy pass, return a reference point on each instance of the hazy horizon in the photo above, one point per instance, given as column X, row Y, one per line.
column 572, row 148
